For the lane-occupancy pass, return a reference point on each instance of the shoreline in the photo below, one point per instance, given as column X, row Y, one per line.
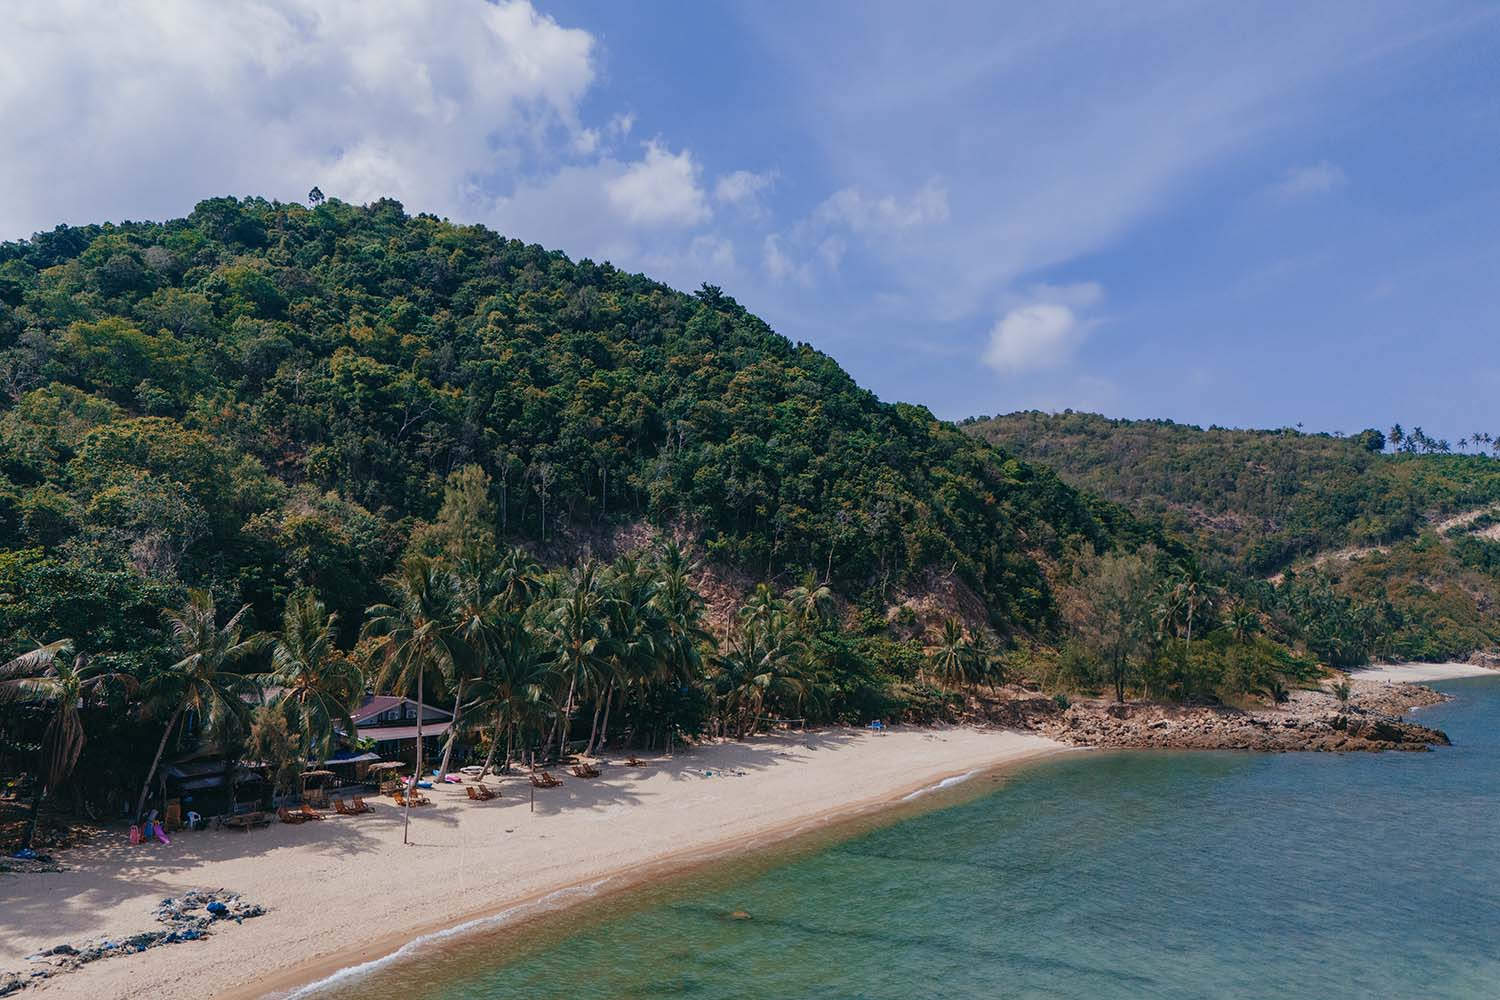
column 669, row 819
column 1417, row 673
column 298, row 983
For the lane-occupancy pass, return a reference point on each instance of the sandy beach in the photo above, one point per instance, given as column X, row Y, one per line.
column 1417, row 673
column 347, row 890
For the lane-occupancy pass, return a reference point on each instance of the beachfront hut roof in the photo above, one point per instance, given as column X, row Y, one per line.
column 317, row 774
column 389, row 765
column 361, row 758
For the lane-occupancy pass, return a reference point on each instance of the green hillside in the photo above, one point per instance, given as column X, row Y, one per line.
column 1317, row 507
column 262, row 396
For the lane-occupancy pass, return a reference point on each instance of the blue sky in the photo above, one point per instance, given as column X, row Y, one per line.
column 1249, row 214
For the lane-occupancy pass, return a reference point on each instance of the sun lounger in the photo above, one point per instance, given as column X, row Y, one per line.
column 361, row 806
column 480, row 793
column 634, row 761
column 287, row 816
column 541, row 779
column 309, row 812
column 584, row 771
column 245, row 821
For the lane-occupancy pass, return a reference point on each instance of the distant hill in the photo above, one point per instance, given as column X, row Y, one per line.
column 1408, row 528
column 262, row 396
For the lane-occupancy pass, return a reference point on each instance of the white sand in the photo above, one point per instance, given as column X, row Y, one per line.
column 346, row 890
column 1418, row 672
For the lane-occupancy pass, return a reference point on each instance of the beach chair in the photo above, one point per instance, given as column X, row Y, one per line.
column 482, row 792
column 584, row 771
column 361, row 806
column 340, row 807
column 308, row 812
column 287, row 816
column 541, row 779
column 634, row 761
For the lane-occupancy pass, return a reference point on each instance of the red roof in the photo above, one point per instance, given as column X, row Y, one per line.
column 377, row 703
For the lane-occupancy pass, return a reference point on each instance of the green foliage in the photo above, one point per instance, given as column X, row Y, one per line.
column 1262, row 502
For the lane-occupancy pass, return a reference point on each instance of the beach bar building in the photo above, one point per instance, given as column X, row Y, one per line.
column 389, row 723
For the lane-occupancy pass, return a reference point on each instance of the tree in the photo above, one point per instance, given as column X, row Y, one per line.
column 1113, row 619
column 764, row 667
column 272, row 743
column 315, row 197
column 318, row 684
column 411, row 640
column 1371, row 439
column 951, row 660
column 62, row 684
column 205, row 679
column 811, row 600
column 576, row 625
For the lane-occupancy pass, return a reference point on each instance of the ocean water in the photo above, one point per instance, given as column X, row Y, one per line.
column 1122, row 875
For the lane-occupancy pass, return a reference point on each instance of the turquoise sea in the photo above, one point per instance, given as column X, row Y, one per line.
column 1122, row 875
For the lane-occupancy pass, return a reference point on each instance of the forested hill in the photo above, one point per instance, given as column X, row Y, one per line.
column 262, row 396
column 1269, row 501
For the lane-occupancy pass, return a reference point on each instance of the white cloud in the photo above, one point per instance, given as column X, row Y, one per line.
column 779, row 264
column 1043, row 332
column 851, row 207
column 1319, row 178
column 1055, row 129
column 139, row 109
column 742, row 186
column 660, row 189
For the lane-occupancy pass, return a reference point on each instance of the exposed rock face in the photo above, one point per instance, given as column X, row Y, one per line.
column 1486, row 658
column 1311, row 721
column 1156, row 726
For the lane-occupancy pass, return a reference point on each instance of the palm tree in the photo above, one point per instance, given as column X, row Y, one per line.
column 763, row 666
column 514, row 689
column 205, row 679
column 1243, row 622
column 950, row 658
column 577, row 626
column 412, row 638
column 639, row 637
column 317, row 683
column 811, row 600
column 63, row 684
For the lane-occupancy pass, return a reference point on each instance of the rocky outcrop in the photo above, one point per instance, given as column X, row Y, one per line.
column 1164, row 727
column 1370, row 720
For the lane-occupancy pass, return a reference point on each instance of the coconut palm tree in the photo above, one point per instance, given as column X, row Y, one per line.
column 317, row 684
column 811, row 600
column 206, row 679
column 514, row 691
column 412, row 641
column 951, row 659
column 62, row 685
column 764, row 666
column 576, row 625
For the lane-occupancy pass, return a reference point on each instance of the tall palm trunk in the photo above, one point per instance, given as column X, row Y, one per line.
column 452, row 732
column 161, row 747
column 489, row 759
column 604, row 733
column 411, row 789
column 594, row 730
column 565, row 720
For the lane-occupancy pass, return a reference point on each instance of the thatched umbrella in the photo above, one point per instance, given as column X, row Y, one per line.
column 319, row 788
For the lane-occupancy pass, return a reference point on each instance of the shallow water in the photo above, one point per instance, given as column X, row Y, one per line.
column 1166, row 875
